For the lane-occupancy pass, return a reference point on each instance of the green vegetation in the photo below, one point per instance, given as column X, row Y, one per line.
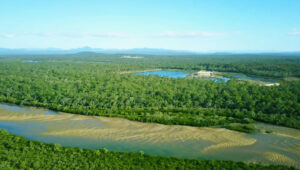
column 18, row 153
column 247, row 128
column 269, row 65
column 93, row 84
column 268, row 131
column 96, row 84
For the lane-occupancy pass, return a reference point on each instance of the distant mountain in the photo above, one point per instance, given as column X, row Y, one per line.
column 151, row 51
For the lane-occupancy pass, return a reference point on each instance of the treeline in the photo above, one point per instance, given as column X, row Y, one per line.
column 272, row 70
column 100, row 89
column 18, row 153
column 268, row 65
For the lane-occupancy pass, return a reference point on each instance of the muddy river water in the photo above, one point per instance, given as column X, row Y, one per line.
column 282, row 146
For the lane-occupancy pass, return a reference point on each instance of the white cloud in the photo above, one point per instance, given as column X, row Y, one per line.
column 8, row 35
column 197, row 34
column 109, row 35
column 92, row 35
column 115, row 35
column 294, row 33
column 70, row 34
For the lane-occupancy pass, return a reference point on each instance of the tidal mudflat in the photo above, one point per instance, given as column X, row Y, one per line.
column 282, row 146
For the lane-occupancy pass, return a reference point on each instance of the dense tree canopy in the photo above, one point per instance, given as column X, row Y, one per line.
column 94, row 84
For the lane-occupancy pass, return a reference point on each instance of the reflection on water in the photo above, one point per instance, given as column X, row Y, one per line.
column 282, row 146
column 218, row 79
column 30, row 61
column 164, row 73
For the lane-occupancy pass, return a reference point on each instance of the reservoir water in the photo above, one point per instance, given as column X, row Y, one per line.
column 163, row 73
column 218, row 79
column 282, row 146
column 30, row 61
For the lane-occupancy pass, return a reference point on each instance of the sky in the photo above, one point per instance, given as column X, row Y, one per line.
column 194, row 25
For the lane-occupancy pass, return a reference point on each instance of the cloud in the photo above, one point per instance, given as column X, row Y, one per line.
column 294, row 33
column 115, row 35
column 109, row 35
column 42, row 34
column 8, row 35
column 91, row 35
column 173, row 34
column 69, row 34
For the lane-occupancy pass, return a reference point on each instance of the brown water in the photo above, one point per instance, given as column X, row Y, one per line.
column 282, row 146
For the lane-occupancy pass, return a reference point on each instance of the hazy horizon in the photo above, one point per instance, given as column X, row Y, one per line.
column 144, row 49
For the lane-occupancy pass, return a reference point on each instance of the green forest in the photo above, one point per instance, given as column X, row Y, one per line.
column 101, row 85
column 95, row 84
column 18, row 153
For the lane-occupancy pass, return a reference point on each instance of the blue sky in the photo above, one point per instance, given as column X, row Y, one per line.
column 196, row 25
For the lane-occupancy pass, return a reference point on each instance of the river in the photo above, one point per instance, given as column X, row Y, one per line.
column 282, row 146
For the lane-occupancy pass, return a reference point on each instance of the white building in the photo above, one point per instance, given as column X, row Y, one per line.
column 203, row 73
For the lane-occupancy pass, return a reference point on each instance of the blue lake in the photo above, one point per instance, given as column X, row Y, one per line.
column 179, row 74
column 164, row 73
column 218, row 79
column 30, row 61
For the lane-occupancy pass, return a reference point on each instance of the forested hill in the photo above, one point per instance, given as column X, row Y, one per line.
column 97, row 85
column 51, row 51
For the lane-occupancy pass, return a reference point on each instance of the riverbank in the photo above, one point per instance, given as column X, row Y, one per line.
column 15, row 151
column 119, row 134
